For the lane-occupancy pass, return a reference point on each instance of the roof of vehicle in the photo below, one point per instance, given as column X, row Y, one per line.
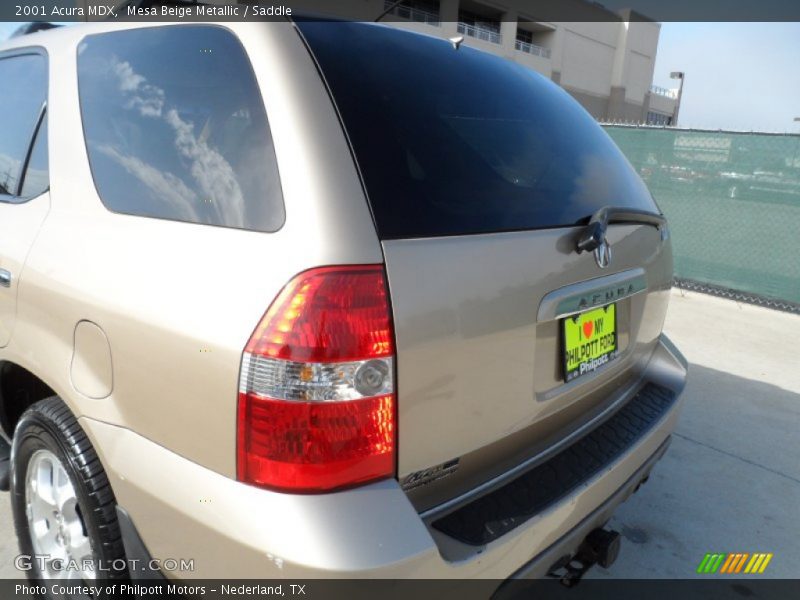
column 54, row 36
column 72, row 33
column 33, row 27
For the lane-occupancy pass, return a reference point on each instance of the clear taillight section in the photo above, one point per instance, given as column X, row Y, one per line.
column 316, row 395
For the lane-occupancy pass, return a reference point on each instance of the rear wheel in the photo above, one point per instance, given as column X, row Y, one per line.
column 64, row 508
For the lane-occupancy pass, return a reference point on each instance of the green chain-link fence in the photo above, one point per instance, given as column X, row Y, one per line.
column 733, row 203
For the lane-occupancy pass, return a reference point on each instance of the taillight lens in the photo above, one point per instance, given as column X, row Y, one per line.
column 316, row 395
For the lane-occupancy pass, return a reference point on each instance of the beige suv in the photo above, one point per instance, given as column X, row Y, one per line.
column 310, row 298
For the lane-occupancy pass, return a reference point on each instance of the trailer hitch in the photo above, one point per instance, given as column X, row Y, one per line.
column 601, row 547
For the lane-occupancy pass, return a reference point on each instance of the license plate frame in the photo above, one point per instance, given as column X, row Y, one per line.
column 586, row 342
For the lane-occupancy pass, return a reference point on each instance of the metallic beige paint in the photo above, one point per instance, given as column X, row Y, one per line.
column 376, row 531
column 179, row 301
column 19, row 226
column 478, row 374
column 91, row 370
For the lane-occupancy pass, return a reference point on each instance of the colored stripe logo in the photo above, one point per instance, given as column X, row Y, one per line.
column 734, row 562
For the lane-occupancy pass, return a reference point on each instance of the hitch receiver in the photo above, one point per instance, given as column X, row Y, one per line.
column 601, row 547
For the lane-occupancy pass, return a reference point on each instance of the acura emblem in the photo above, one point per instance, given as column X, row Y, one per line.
column 602, row 254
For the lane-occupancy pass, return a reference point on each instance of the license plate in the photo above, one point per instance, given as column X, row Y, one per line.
column 590, row 341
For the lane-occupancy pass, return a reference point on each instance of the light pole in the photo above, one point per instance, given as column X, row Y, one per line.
column 677, row 75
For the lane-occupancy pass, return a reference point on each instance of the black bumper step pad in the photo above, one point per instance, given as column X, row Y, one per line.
column 495, row 514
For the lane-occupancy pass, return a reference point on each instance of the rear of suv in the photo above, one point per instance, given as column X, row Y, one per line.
column 330, row 298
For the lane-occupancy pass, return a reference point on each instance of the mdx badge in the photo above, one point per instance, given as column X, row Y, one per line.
column 430, row 475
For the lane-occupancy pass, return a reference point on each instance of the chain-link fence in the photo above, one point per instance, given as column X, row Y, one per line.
column 733, row 203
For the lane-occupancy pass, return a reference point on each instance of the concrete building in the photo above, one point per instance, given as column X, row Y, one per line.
column 605, row 62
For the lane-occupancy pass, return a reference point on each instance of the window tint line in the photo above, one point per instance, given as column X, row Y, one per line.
column 37, row 173
column 42, row 113
column 340, row 119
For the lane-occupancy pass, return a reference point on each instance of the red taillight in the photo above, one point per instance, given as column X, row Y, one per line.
column 316, row 395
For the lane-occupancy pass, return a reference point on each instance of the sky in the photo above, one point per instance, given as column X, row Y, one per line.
column 742, row 76
column 6, row 29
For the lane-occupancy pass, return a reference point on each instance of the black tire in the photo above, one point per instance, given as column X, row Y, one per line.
column 50, row 425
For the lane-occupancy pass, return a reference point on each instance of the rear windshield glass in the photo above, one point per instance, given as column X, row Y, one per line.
column 459, row 141
column 176, row 128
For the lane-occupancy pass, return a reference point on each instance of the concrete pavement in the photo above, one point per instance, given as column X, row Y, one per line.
column 731, row 480
column 8, row 541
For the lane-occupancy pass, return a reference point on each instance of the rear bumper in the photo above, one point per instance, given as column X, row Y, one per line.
column 229, row 530
column 569, row 543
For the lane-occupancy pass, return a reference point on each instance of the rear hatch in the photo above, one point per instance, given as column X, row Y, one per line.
column 482, row 177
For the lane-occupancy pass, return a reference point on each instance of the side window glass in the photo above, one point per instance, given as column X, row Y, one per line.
column 23, row 80
column 176, row 129
column 37, row 176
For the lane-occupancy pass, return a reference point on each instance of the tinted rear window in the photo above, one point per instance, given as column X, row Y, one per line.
column 460, row 141
column 176, row 129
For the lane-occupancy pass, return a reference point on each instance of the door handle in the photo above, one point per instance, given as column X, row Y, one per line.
column 5, row 278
